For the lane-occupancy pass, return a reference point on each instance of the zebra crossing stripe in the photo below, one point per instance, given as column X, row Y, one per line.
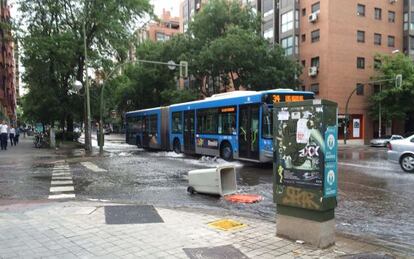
column 61, row 185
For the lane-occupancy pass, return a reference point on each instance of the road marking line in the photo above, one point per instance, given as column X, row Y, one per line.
column 64, row 182
column 61, row 196
column 62, row 189
column 62, row 174
column 61, row 177
column 93, row 167
column 61, row 182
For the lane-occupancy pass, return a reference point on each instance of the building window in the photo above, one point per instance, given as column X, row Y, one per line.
column 391, row 41
column 268, row 34
column 160, row 36
column 315, row 36
column 315, row 88
column 287, row 21
column 360, row 89
column 377, row 63
column 315, row 62
column 412, row 21
column 376, row 88
column 391, row 16
column 377, row 39
column 304, row 12
column 303, row 63
column 378, row 14
column 303, row 37
column 316, row 7
column 287, row 44
column 361, row 10
column 360, row 63
column 405, row 21
column 360, row 36
column 411, row 43
column 268, row 13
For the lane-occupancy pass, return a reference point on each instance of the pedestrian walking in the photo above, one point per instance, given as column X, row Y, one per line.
column 3, row 135
column 12, row 132
column 16, row 136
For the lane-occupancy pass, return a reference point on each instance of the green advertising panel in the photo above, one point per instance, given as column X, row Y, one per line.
column 305, row 160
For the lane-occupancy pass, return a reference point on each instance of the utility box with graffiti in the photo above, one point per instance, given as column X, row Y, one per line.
column 305, row 169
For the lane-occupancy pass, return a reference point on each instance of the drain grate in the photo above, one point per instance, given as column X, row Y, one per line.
column 141, row 214
column 217, row 252
column 226, row 224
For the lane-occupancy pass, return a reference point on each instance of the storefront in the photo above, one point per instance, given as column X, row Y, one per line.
column 355, row 127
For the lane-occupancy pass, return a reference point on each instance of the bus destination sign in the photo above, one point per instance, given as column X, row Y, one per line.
column 278, row 98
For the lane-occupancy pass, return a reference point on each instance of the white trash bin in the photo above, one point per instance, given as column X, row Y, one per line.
column 220, row 180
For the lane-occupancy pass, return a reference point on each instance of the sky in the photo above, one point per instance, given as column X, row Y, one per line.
column 170, row 5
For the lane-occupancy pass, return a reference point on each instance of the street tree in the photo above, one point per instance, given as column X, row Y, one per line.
column 224, row 48
column 396, row 102
column 53, row 44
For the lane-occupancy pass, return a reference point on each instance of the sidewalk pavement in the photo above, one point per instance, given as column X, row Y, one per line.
column 85, row 229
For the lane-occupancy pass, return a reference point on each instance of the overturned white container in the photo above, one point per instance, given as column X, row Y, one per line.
column 220, row 180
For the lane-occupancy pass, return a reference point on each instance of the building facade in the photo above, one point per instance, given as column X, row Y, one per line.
column 7, row 78
column 162, row 30
column 336, row 43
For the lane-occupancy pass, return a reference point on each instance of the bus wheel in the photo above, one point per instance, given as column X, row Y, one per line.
column 177, row 146
column 226, row 152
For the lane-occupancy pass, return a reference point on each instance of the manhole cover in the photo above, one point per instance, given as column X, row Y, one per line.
column 131, row 215
column 368, row 256
column 226, row 224
column 217, row 252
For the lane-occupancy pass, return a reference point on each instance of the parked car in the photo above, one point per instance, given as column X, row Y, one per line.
column 402, row 152
column 383, row 141
column 407, row 134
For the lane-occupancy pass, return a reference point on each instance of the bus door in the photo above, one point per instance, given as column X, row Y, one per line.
column 189, row 132
column 249, row 131
column 145, row 131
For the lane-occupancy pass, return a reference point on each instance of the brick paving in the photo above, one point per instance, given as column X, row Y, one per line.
column 77, row 229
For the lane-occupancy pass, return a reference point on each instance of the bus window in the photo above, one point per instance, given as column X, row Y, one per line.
column 227, row 121
column 267, row 126
column 207, row 121
column 139, row 124
column 177, row 122
column 153, row 124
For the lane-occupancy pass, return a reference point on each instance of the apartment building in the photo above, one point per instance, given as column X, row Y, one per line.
column 161, row 30
column 336, row 42
column 7, row 79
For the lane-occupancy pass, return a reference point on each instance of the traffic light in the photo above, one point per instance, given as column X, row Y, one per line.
column 398, row 81
column 183, row 69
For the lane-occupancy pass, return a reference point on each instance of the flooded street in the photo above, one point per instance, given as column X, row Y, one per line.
column 374, row 203
column 375, row 196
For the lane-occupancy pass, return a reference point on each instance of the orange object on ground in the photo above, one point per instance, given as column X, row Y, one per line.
column 243, row 198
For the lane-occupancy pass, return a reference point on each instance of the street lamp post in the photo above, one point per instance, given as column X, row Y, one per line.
column 171, row 65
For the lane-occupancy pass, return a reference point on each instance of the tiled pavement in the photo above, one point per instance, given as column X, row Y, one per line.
column 75, row 229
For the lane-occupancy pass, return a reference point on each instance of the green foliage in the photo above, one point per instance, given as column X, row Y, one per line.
column 53, row 47
column 223, row 47
column 396, row 102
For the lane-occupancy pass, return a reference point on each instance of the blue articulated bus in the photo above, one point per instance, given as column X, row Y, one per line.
column 230, row 125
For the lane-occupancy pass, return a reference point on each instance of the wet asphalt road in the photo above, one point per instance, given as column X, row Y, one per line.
column 375, row 200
